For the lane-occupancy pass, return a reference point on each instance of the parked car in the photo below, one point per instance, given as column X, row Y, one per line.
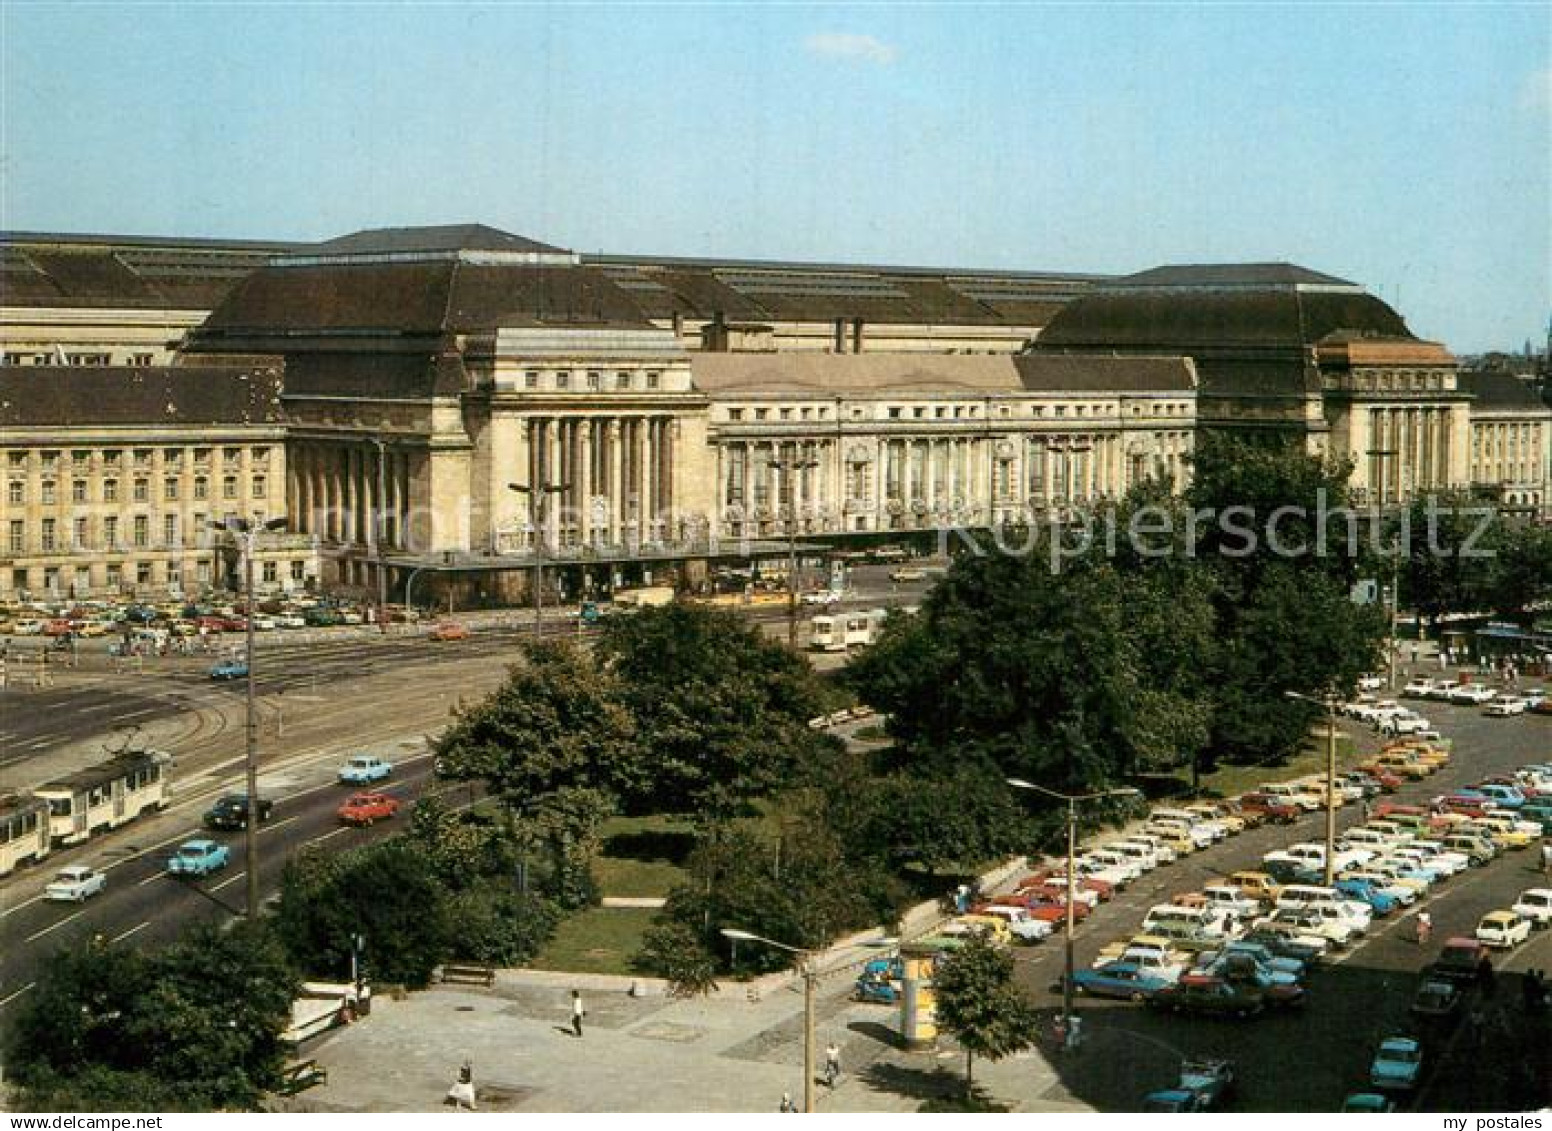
column 1505, row 708
column 1503, row 929
column 198, row 858
column 75, row 883
column 1202, row 1086
column 450, row 630
column 1123, row 979
column 1204, row 994
column 1397, row 1065
column 1535, row 904
column 230, row 669
column 1436, row 998
column 231, row 812
column 1308, row 949
column 1367, row 1103
column 366, row 808
column 1472, row 693
column 364, row 769
column 1024, row 927
column 1275, row 809
column 1459, row 961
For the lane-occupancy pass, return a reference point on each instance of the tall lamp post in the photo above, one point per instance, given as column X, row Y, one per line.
column 538, row 499
column 1329, row 706
column 1072, row 800
column 248, row 531
column 789, row 469
column 810, row 980
column 1395, row 559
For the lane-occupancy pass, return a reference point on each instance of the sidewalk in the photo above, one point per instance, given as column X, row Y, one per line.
column 723, row 1052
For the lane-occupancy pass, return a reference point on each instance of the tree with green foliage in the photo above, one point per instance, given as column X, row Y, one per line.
column 678, row 953
column 978, row 1003
column 194, row 1027
column 720, row 710
column 386, row 892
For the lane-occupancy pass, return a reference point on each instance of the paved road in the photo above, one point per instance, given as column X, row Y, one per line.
column 143, row 902
column 1311, row 1060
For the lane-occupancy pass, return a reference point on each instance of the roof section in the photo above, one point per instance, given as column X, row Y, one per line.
column 1496, row 391
column 1230, row 274
column 95, row 272
column 950, row 375
column 58, row 396
column 443, row 237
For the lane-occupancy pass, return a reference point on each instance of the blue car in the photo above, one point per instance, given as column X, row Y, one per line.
column 1245, row 968
column 1380, row 903
column 364, row 769
column 1119, row 979
column 1367, row 1103
column 1504, row 796
column 1286, row 964
column 230, row 669
column 1398, row 1064
column 198, row 858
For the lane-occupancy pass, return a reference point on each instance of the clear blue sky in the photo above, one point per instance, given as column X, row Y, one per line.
column 1406, row 147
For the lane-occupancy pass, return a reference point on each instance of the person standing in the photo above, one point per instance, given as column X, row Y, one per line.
column 577, row 1012
column 1546, row 860
column 1424, row 927
column 832, row 1068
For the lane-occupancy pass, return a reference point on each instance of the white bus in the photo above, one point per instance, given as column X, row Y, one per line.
column 827, row 633
column 24, row 831
column 104, row 796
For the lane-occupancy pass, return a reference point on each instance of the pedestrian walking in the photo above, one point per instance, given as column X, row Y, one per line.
column 461, row 1094
column 1424, row 927
column 832, row 1068
column 577, row 1012
column 1363, row 810
column 786, row 1103
column 1546, row 860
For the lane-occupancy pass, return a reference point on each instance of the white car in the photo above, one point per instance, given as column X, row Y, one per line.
column 1535, row 904
column 1162, row 852
column 1019, row 922
column 291, row 620
column 1129, row 867
column 75, row 884
column 1404, row 722
column 1115, row 877
column 263, row 623
column 1452, row 863
column 1370, row 682
column 821, row 597
column 1418, row 689
column 1139, row 854
column 1505, row 708
column 1503, row 929
column 1230, row 900
column 1473, row 693
column 1337, row 931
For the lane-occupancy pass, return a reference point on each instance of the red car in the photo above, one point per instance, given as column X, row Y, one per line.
column 1041, row 905
column 1391, row 808
column 1058, row 877
column 1270, row 807
column 1466, row 806
column 364, row 808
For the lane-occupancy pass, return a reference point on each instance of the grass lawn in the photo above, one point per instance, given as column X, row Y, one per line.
column 600, row 940
column 1228, row 781
column 642, row 856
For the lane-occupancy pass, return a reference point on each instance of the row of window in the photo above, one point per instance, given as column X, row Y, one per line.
column 140, row 490
column 592, row 379
column 92, row 357
column 82, row 529
column 943, row 412
column 58, row 579
column 50, row 459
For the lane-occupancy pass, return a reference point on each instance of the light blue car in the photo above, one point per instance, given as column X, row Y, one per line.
column 1398, row 1064
column 1285, row 964
column 1380, row 903
column 1504, row 796
column 198, row 858
column 364, row 769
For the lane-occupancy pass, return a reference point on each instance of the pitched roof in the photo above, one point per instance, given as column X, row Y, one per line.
column 33, row 396
column 1497, row 391
column 1229, row 274
column 432, row 238
column 134, row 272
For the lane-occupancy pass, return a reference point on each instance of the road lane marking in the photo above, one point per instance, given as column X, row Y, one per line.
column 8, row 1000
column 131, row 931
column 229, row 882
column 326, row 836
column 151, row 879
column 48, row 930
column 273, row 825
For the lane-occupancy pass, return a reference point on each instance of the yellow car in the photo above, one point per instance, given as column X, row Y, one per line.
column 1256, row 885
column 1213, row 813
column 1176, row 839
column 1501, row 831
column 93, row 628
column 992, row 926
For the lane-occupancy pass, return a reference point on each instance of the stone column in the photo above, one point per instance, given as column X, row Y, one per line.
column 584, row 481
column 616, row 480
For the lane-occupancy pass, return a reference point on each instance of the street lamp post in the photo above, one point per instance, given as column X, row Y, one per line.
column 249, row 532
column 789, row 469
column 1329, row 706
column 538, row 498
column 810, row 981
column 1072, row 800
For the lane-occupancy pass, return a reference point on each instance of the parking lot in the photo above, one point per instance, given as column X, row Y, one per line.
column 1310, row 1059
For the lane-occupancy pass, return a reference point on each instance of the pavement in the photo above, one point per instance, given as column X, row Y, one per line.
column 726, row 1052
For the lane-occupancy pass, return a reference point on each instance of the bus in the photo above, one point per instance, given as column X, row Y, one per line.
column 104, row 796
column 24, row 831
column 827, row 633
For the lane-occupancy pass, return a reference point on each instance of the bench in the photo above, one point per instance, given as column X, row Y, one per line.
column 302, row 1075
column 469, row 974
